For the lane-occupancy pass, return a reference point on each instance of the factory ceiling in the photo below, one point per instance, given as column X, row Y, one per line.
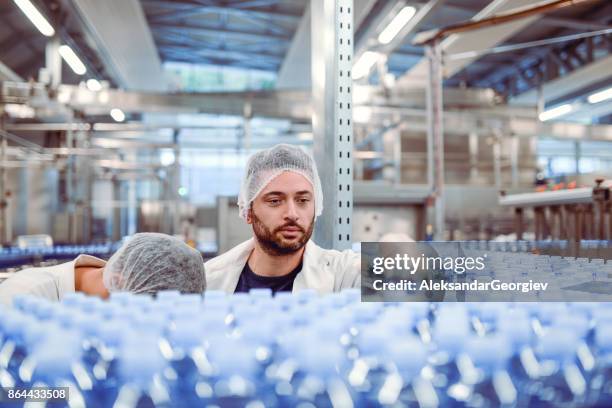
column 263, row 35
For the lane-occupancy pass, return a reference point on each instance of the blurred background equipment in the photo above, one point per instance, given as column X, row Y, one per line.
column 128, row 116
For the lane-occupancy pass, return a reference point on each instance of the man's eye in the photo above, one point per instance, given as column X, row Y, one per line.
column 303, row 200
column 275, row 201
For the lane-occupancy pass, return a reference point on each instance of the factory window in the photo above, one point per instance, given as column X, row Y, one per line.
column 187, row 77
column 340, row 102
column 340, row 25
column 348, row 154
column 348, row 138
column 348, row 41
column 339, row 237
column 339, row 220
column 340, row 137
column 340, row 187
column 348, row 237
column 340, row 204
column 340, row 170
column 348, row 105
column 348, row 171
column 348, row 204
column 348, row 187
column 340, row 119
column 348, row 220
column 340, row 87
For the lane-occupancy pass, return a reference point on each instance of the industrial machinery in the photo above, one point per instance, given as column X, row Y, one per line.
column 573, row 214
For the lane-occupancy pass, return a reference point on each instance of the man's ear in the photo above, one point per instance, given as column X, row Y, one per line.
column 249, row 217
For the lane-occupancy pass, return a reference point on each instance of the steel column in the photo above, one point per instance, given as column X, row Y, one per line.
column 5, row 231
column 332, row 51
column 53, row 61
column 435, row 135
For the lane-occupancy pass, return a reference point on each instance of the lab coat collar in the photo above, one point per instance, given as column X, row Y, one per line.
column 315, row 273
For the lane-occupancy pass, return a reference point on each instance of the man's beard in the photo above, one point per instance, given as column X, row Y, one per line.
column 275, row 246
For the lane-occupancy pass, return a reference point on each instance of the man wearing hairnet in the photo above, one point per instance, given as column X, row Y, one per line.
column 280, row 198
column 147, row 263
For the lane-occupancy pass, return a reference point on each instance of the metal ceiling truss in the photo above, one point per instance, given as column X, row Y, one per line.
column 546, row 66
column 256, row 38
column 218, row 57
column 191, row 8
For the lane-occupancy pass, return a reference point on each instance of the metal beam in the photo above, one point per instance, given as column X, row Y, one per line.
column 199, row 9
column 574, row 23
column 121, row 33
column 470, row 41
column 217, row 53
column 182, row 29
column 171, row 38
column 7, row 74
column 294, row 72
column 574, row 81
column 586, row 113
column 249, row 64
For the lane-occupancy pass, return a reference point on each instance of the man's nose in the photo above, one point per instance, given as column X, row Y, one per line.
column 291, row 211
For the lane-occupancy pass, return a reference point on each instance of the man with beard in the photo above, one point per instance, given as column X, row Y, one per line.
column 280, row 198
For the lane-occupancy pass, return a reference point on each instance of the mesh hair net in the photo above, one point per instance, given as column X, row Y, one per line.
column 265, row 165
column 150, row 262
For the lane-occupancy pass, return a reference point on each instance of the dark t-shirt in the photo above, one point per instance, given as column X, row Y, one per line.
column 250, row 280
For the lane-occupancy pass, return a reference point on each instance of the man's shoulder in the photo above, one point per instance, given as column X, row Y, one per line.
column 221, row 262
column 332, row 256
column 344, row 266
column 31, row 280
column 34, row 274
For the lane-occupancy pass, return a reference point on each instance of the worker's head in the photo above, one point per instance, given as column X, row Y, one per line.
column 281, row 198
column 151, row 262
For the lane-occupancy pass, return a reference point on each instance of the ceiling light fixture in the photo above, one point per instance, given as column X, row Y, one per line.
column 555, row 112
column 600, row 96
column 395, row 26
column 73, row 61
column 364, row 64
column 35, row 17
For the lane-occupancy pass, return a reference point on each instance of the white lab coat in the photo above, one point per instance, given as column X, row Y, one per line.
column 49, row 282
column 325, row 270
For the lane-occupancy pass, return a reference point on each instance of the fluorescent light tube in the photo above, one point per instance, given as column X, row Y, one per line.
column 364, row 64
column 35, row 17
column 600, row 96
column 555, row 112
column 395, row 26
column 73, row 61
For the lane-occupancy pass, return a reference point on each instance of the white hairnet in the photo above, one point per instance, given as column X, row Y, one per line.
column 265, row 165
column 150, row 262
